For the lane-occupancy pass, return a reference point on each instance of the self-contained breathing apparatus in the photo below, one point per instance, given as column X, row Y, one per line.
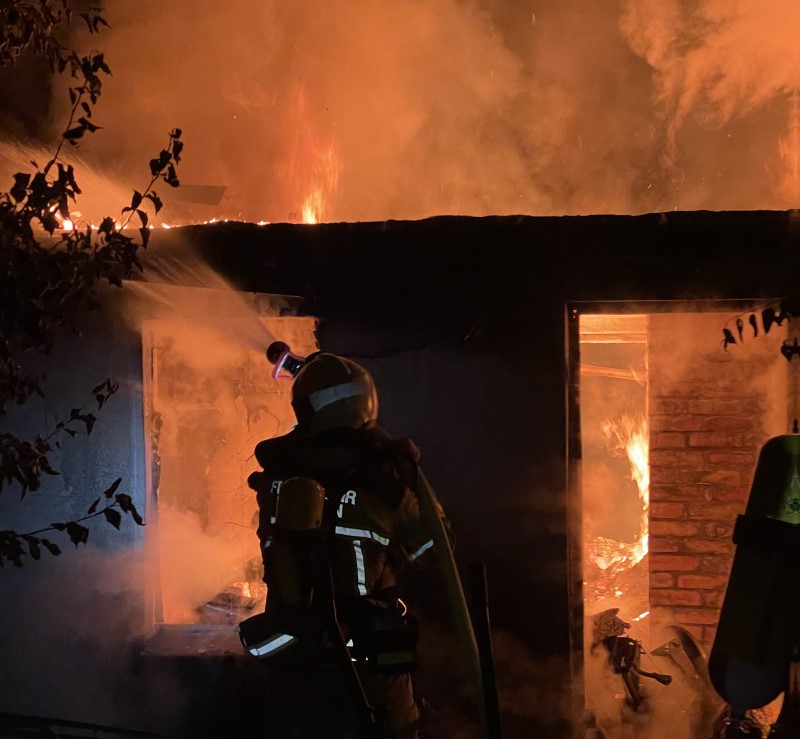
column 311, row 621
column 308, row 624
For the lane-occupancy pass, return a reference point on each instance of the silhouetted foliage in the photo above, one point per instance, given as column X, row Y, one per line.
column 48, row 273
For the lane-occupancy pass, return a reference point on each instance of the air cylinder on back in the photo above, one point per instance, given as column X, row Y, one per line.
column 759, row 626
column 298, row 521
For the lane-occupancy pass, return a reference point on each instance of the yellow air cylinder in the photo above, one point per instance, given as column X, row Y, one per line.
column 758, row 628
column 298, row 523
column 300, row 504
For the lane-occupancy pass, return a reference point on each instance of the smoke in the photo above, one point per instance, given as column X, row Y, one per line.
column 384, row 111
column 373, row 111
column 723, row 76
column 730, row 57
column 751, row 368
column 264, row 91
column 67, row 639
column 532, row 689
column 684, row 709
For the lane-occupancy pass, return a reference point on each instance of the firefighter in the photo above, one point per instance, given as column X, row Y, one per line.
column 369, row 526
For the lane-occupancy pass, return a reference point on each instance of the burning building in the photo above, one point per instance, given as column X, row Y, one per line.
column 564, row 374
column 623, row 496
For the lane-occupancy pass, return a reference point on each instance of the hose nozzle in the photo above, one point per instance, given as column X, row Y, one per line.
column 279, row 354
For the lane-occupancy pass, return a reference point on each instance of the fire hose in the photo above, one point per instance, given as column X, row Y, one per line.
column 430, row 508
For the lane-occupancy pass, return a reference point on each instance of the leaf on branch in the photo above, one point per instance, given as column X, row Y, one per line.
column 136, row 200
column 142, row 217
column 175, row 133
column 88, row 125
column 33, row 546
column 125, row 501
column 58, row 526
column 73, row 134
column 171, row 177
column 77, row 534
column 86, row 418
column 157, row 166
column 155, row 200
column 107, row 226
column 113, row 516
column 93, row 507
column 99, row 63
column 144, row 234
column 50, row 547
column 113, row 488
column 20, row 188
column 66, row 179
column 127, row 506
column 11, row 548
column 87, row 109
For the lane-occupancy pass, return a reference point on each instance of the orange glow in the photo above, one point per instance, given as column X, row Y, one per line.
column 789, row 148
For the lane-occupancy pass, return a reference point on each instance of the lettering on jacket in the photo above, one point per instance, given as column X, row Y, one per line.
column 349, row 498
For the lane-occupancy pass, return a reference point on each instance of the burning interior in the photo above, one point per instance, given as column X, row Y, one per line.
column 670, row 425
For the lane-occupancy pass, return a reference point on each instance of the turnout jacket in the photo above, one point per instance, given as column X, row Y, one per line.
column 371, row 509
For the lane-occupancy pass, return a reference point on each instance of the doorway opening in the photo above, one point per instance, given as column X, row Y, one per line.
column 665, row 422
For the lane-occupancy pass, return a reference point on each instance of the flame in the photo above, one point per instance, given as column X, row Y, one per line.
column 326, row 176
column 65, row 224
column 631, row 435
column 312, row 165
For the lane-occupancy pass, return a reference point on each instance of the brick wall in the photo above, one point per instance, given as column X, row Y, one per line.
column 710, row 412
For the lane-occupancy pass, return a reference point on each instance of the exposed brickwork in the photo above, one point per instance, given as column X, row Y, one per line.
column 707, row 424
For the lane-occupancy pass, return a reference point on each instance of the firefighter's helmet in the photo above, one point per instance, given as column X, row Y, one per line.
column 333, row 392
